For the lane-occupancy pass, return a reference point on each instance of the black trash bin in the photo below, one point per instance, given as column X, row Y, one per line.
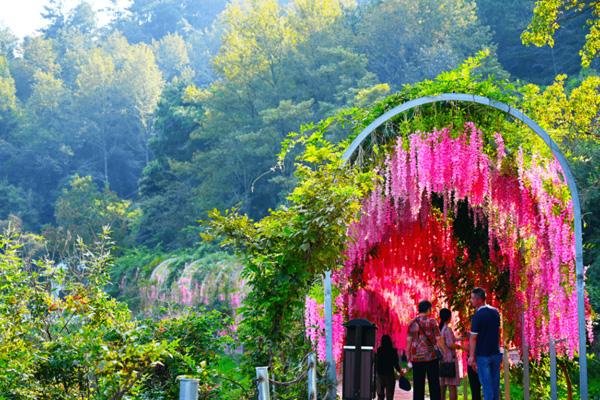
column 358, row 360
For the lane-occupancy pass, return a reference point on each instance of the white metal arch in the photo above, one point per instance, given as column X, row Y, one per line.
column 470, row 98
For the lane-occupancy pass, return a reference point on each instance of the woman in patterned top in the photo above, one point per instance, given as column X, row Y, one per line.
column 423, row 335
column 450, row 356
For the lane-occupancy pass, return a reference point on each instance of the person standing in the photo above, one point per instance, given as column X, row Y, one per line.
column 484, row 345
column 474, row 384
column 423, row 335
column 450, row 356
column 386, row 363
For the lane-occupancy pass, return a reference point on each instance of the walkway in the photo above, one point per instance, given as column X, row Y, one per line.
column 402, row 395
column 398, row 394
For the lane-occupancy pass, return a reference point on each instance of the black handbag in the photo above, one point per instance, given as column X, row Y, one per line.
column 404, row 383
column 447, row 369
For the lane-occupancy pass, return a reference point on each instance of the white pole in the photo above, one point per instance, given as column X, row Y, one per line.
column 262, row 378
column 506, row 374
column 312, row 377
column 553, row 386
column 188, row 389
column 331, row 378
column 525, row 355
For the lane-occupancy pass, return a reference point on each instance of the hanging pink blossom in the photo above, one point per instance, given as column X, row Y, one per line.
column 401, row 242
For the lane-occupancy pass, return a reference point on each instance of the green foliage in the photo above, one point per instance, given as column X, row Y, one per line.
column 7, row 87
column 287, row 250
column 114, row 77
column 406, row 42
column 547, row 15
column 63, row 337
column 508, row 19
column 198, row 347
column 171, row 55
column 83, row 210
column 300, row 70
column 85, row 108
column 37, row 55
column 147, row 20
column 14, row 201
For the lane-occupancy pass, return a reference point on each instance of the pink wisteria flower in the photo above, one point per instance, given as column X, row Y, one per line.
column 401, row 243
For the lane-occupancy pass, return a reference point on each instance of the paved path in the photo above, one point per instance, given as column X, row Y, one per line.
column 398, row 394
column 402, row 395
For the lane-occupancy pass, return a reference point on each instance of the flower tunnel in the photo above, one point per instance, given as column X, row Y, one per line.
column 454, row 208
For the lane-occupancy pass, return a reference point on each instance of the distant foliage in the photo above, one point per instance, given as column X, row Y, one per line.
column 539, row 65
column 548, row 16
column 408, row 41
column 84, row 211
column 180, row 106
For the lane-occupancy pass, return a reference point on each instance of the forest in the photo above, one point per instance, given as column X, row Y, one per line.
column 127, row 148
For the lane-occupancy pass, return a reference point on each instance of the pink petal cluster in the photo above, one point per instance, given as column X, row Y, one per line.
column 400, row 243
column 315, row 327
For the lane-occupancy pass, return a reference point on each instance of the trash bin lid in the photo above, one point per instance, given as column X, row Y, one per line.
column 359, row 322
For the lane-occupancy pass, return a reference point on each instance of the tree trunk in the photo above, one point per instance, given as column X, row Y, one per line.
column 105, row 151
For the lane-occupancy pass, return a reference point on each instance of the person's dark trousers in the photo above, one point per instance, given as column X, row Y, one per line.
column 431, row 370
column 386, row 384
column 474, row 383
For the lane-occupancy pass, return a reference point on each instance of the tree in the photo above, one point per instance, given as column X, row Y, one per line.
column 8, row 114
column 548, row 15
column 8, row 91
column 8, row 43
column 257, row 36
column 171, row 55
column 113, row 79
column 17, row 202
column 407, row 41
column 202, row 47
column 169, row 200
column 142, row 83
column 537, row 65
column 215, row 147
column 148, row 19
column 55, row 16
column 84, row 211
column 38, row 55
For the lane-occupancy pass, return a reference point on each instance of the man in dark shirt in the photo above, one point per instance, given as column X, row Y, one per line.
column 484, row 348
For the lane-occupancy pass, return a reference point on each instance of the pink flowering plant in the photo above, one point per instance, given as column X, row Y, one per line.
column 408, row 243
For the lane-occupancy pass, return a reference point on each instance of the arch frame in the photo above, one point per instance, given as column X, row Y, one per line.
column 570, row 180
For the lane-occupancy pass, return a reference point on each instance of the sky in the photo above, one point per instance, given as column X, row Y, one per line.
column 23, row 17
